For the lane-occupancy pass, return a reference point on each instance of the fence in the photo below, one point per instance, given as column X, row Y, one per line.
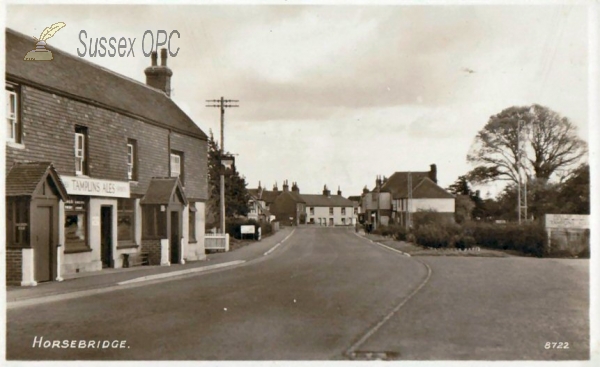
column 568, row 234
column 216, row 242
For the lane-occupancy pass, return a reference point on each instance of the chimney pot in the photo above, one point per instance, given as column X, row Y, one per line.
column 163, row 57
column 154, row 58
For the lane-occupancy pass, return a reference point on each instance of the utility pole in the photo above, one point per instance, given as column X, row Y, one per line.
column 222, row 104
column 409, row 202
column 522, row 184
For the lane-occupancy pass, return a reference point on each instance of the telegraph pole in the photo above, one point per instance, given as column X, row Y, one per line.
column 409, row 202
column 522, row 185
column 222, row 104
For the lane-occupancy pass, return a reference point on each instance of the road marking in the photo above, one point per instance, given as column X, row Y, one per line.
column 181, row 272
column 375, row 328
column 279, row 244
column 382, row 245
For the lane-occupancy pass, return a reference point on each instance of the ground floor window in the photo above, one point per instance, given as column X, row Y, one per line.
column 330, row 221
column 343, row 220
column 76, row 219
column 312, row 220
column 154, row 221
column 126, row 220
column 192, row 223
column 17, row 222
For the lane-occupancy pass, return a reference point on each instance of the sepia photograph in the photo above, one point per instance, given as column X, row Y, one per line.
column 281, row 181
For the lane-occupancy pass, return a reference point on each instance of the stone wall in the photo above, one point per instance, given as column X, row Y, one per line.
column 14, row 266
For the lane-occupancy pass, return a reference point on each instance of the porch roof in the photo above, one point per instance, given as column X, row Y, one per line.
column 24, row 178
column 162, row 191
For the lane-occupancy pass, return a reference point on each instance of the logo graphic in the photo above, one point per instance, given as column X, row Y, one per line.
column 41, row 53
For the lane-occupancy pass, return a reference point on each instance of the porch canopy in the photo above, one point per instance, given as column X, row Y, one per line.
column 27, row 179
column 164, row 191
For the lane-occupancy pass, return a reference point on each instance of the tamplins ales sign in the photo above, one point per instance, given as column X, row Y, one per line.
column 95, row 187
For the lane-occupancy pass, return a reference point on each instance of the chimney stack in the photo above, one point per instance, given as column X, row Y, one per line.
column 339, row 191
column 433, row 172
column 326, row 191
column 295, row 188
column 365, row 190
column 159, row 77
column 286, row 187
column 275, row 187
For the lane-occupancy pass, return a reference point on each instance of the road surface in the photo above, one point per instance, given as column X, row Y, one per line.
column 324, row 294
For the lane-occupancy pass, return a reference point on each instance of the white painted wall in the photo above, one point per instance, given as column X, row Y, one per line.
column 323, row 212
column 439, row 205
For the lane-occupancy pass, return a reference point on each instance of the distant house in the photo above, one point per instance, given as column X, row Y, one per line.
column 288, row 206
column 260, row 203
column 390, row 201
column 329, row 210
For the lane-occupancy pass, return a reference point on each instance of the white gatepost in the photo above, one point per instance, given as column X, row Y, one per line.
column 164, row 252
column 226, row 242
column 60, row 250
column 27, row 268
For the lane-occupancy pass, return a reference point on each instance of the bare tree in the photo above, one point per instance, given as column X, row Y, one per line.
column 546, row 142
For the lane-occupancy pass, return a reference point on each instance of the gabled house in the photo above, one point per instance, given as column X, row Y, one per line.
column 407, row 192
column 99, row 166
column 288, row 206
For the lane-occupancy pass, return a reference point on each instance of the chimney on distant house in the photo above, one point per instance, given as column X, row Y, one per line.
column 365, row 190
column 286, row 187
column 433, row 172
column 275, row 187
column 326, row 191
column 339, row 191
column 378, row 183
column 159, row 76
column 295, row 188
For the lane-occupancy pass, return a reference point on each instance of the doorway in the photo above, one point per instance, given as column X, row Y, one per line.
column 175, row 241
column 106, row 237
column 44, row 256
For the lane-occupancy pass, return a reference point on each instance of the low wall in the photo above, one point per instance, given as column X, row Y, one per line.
column 14, row 266
column 152, row 247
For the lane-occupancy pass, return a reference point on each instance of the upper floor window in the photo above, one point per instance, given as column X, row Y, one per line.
column 330, row 211
column 343, row 211
column 81, row 150
column 312, row 211
column 177, row 165
column 132, row 166
column 13, row 121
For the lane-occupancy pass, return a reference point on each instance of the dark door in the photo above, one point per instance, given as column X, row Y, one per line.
column 106, row 236
column 175, row 242
column 42, row 251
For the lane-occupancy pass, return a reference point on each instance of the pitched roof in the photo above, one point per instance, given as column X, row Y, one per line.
column 354, row 198
column 322, row 200
column 397, row 184
column 427, row 189
column 422, row 186
column 162, row 189
column 23, row 179
column 75, row 77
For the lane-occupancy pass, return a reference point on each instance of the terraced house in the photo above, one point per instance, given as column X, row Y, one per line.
column 98, row 166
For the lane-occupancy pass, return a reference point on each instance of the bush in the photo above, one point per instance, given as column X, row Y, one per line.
column 395, row 231
column 528, row 238
column 432, row 235
column 465, row 242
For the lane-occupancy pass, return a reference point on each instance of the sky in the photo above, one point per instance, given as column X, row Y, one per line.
column 336, row 95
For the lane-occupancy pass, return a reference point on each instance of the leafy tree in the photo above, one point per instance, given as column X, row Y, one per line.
column 549, row 144
column 460, row 186
column 236, row 193
column 574, row 193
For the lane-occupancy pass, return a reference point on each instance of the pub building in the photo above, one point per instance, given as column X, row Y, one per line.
column 99, row 168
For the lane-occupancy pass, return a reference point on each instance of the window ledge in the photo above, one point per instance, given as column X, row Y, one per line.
column 78, row 250
column 192, row 241
column 126, row 245
column 12, row 144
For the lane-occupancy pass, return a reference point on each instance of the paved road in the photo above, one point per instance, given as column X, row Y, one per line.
column 321, row 293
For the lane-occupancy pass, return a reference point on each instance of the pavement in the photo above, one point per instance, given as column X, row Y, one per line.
column 89, row 283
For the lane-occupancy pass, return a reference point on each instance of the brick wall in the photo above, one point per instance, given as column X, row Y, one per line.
column 48, row 135
column 152, row 247
column 14, row 266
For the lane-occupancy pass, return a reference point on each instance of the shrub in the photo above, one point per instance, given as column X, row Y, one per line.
column 432, row 235
column 395, row 231
column 465, row 241
column 528, row 238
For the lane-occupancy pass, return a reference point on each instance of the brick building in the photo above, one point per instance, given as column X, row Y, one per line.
column 98, row 166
